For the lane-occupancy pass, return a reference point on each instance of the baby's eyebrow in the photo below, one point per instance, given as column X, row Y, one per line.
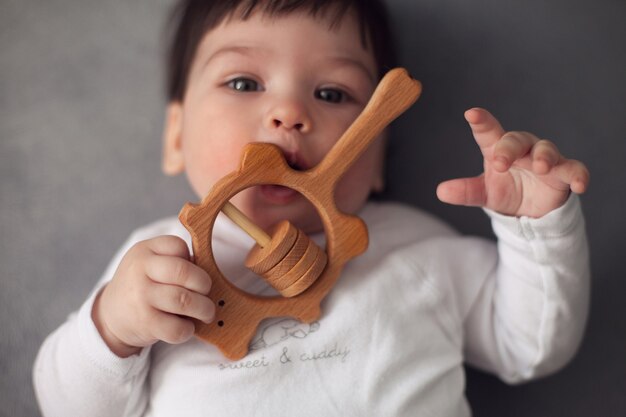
column 236, row 49
column 339, row 60
column 344, row 60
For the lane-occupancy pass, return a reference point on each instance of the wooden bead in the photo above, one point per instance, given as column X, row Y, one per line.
column 287, row 262
column 290, row 259
column 285, row 280
column 309, row 277
column 283, row 237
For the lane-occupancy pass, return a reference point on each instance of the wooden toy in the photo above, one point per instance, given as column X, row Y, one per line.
column 301, row 271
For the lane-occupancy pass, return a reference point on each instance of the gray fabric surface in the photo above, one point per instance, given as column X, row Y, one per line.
column 81, row 111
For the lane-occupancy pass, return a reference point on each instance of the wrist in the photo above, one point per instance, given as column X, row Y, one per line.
column 113, row 342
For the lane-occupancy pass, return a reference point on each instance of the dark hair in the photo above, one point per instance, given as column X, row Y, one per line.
column 192, row 19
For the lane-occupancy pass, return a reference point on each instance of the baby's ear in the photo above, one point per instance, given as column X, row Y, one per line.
column 173, row 161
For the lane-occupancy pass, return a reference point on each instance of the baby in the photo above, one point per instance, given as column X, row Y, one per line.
column 402, row 319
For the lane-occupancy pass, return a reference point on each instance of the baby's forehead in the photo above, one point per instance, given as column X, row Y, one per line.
column 330, row 16
column 329, row 22
column 331, row 11
column 292, row 36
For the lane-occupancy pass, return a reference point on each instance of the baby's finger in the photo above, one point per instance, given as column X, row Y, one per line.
column 485, row 128
column 180, row 301
column 169, row 246
column 512, row 147
column 544, row 155
column 178, row 271
column 171, row 329
column 574, row 173
column 463, row 191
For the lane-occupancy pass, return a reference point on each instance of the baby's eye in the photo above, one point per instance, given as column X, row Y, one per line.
column 244, row 84
column 331, row 95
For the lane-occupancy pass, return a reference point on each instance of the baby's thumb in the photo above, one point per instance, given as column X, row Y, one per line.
column 463, row 191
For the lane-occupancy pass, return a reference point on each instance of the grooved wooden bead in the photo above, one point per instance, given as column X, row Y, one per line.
column 283, row 237
column 280, row 282
column 309, row 277
column 291, row 258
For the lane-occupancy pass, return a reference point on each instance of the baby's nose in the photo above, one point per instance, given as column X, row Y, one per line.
column 289, row 115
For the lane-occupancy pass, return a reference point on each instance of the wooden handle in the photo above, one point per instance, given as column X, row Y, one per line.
column 395, row 93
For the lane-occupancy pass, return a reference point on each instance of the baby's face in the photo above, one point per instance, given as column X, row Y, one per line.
column 289, row 81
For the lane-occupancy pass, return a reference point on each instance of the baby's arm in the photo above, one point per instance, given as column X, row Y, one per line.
column 80, row 371
column 527, row 317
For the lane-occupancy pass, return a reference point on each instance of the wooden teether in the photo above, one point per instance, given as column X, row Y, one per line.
column 301, row 271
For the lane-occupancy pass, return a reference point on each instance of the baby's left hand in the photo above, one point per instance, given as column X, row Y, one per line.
column 524, row 176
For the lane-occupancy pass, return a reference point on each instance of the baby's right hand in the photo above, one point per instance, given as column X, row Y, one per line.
column 152, row 296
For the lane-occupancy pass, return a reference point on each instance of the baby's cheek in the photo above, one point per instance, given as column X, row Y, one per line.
column 352, row 192
column 356, row 185
column 202, row 174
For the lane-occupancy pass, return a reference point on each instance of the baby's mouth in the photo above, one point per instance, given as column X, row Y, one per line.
column 279, row 194
column 296, row 161
column 296, row 166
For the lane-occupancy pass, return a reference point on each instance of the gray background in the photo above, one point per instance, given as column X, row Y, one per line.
column 81, row 109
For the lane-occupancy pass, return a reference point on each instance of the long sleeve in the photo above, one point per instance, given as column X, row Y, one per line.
column 527, row 317
column 75, row 373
